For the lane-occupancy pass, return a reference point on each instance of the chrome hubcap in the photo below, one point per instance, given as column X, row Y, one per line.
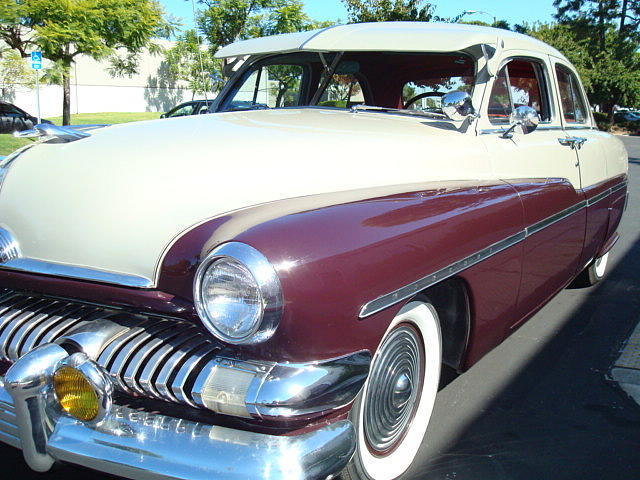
column 401, row 391
column 393, row 389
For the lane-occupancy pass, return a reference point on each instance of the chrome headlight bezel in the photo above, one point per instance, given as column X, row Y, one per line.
column 266, row 280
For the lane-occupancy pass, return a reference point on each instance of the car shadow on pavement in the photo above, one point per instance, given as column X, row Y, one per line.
column 560, row 417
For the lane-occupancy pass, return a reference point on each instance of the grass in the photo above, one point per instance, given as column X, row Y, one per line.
column 108, row 117
column 8, row 143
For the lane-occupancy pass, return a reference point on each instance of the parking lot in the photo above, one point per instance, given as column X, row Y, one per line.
column 541, row 405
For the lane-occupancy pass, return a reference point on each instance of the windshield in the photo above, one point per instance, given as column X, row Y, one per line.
column 414, row 81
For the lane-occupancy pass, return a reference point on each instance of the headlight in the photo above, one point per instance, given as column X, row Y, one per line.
column 237, row 294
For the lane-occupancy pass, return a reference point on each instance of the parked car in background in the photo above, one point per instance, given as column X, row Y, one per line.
column 271, row 292
column 14, row 119
column 195, row 107
column 628, row 116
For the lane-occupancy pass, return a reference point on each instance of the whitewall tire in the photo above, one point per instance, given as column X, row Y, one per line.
column 392, row 412
column 593, row 273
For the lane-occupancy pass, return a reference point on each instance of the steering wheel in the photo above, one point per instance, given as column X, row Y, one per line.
column 420, row 96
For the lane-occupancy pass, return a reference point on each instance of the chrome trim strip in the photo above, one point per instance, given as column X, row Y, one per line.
column 385, row 301
column 596, row 198
column 547, row 222
column 550, row 128
column 30, row 265
column 487, row 131
column 408, row 291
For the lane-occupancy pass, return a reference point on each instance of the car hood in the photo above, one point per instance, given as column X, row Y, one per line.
column 116, row 200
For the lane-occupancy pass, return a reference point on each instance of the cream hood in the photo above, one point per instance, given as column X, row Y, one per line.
column 115, row 201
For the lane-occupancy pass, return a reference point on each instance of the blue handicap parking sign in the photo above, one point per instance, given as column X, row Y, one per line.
column 36, row 60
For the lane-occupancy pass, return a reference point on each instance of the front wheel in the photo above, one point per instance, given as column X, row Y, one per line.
column 392, row 412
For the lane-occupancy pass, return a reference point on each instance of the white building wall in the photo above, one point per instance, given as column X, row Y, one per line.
column 94, row 90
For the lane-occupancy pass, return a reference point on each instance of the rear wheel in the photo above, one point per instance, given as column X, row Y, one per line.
column 392, row 412
column 593, row 273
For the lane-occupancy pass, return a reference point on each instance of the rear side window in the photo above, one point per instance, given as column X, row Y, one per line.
column 573, row 105
column 519, row 83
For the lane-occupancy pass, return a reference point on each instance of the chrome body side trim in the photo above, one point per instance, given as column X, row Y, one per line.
column 407, row 291
column 141, row 445
column 425, row 282
column 488, row 131
column 31, row 265
column 547, row 222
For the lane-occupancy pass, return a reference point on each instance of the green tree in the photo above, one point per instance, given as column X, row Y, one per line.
column 610, row 75
column 64, row 29
column 189, row 62
column 13, row 72
column 225, row 21
column 361, row 11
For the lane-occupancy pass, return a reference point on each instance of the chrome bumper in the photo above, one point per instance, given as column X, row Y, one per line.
column 142, row 445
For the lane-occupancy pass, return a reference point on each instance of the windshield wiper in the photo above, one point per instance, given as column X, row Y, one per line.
column 417, row 113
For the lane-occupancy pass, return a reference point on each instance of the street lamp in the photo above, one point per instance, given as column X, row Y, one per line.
column 470, row 12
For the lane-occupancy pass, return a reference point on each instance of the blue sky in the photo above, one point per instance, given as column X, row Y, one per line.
column 509, row 10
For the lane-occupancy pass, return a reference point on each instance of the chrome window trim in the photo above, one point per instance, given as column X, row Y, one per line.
column 385, row 301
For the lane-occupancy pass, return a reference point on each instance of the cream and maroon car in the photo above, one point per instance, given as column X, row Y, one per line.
column 270, row 291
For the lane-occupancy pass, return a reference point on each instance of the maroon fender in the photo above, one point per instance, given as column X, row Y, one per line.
column 333, row 260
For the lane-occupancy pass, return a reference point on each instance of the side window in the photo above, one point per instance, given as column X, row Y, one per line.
column 573, row 106
column 182, row 111
column 343, row 91
column 273, row 86
column 518, row 83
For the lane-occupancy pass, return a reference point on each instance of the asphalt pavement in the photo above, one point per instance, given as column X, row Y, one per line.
column 540, row 406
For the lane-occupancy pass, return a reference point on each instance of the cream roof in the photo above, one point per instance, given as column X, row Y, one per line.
column 387, row 36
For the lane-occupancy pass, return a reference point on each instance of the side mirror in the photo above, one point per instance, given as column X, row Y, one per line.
column 525, row 117
column 457, row 106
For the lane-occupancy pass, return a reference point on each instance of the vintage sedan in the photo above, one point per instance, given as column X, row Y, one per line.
column 270, row 291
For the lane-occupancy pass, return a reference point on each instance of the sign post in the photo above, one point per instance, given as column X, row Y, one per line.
column 36, row 64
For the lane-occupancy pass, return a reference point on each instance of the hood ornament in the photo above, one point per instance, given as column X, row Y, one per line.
column 54, row 134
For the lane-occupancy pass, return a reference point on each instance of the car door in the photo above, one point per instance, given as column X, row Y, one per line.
column 587, row 144
column 545, row 173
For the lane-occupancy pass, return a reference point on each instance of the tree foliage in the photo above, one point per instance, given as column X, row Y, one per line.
column 225, row 21
column 389, row 10
column 192, row 64
column 600, row 37
column 14, row 71
column 64, row 29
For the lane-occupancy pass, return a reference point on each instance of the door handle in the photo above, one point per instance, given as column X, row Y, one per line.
column 574, row 142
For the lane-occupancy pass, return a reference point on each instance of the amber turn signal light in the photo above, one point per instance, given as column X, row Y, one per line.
column 75, row 394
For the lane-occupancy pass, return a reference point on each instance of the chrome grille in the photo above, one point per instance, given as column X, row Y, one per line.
column 154, row 357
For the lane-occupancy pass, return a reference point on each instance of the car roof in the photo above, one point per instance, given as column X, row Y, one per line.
column 387, row 36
